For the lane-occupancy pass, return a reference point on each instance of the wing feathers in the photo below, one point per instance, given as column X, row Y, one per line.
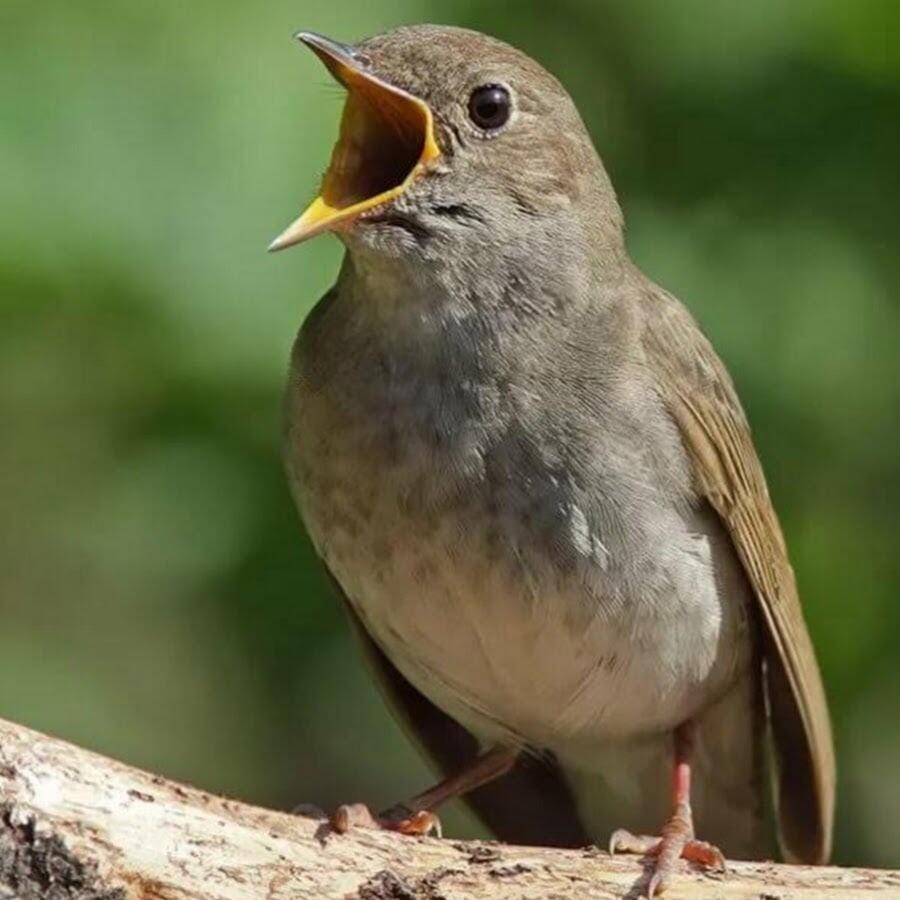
column 701, row 398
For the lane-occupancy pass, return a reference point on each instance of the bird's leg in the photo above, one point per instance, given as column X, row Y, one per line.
column 417, row 816
column 677, row 840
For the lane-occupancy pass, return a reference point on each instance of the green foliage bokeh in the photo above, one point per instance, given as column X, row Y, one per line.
column 158, row 601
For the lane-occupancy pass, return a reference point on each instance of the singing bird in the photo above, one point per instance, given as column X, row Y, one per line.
column 532, row 483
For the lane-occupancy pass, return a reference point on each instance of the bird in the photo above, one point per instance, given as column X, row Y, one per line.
column 532, row 484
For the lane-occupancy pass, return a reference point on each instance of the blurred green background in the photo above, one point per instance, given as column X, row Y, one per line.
column 158, row 601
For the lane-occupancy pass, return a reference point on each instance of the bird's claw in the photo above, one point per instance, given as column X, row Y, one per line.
column 622, row 841
column 700, row 852
column 358, row 815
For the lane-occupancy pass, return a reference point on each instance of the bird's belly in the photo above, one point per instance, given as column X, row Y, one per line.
column 520, row 644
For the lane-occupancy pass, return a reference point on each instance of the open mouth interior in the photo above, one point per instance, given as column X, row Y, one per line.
column 382, row 141
column 386, row 139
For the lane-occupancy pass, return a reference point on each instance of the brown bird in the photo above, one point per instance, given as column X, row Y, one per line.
column 532, row 482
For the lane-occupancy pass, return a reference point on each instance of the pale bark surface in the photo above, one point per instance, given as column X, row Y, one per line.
column 77, row 826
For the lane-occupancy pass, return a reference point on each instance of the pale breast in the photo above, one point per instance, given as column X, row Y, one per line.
column 518, row 601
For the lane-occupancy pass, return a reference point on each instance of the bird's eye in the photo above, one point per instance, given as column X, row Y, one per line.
column 490, row 106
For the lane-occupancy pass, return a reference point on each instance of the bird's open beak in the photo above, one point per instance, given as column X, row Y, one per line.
column 386, row 140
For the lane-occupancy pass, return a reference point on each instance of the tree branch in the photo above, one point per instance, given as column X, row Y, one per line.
column 77, row 826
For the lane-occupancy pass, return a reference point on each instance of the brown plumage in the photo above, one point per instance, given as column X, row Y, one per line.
column 531, row 479
column 701, row 398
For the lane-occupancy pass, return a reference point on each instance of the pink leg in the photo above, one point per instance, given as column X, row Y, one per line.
column 416, row 816
column 677, row 840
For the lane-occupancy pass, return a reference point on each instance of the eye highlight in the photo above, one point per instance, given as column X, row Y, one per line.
column 490, row 106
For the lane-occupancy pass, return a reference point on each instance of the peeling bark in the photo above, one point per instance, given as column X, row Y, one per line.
column 77, row 826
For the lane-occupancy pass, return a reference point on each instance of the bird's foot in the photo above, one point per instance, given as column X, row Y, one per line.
column 416, row 816
column 399, row 819
column 677, row 842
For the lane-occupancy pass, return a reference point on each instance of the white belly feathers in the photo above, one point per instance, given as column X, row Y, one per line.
column 511, row 645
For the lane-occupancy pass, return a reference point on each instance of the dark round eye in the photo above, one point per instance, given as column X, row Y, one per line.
column 490, row 106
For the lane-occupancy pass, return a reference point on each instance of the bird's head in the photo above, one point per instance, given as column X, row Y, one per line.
column 454, row 144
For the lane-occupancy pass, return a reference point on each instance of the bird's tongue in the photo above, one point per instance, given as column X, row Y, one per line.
column 386, row 138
